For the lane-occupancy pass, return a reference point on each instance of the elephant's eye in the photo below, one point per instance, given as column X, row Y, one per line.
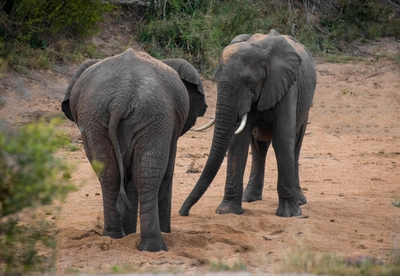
column 249, row 82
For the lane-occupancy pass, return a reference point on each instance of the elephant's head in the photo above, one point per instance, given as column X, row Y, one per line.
column 191, row 79
column 253, row 72
column 65, row 107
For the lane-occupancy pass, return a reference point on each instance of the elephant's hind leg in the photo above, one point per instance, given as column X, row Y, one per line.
column 129, row 220
column 148, row 174
column 299, row 141
column 96, row 145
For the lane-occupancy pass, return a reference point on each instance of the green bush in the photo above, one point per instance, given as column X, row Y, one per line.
column 362, row 19
column 31, row 176
column 33, row 20
column 198, row 30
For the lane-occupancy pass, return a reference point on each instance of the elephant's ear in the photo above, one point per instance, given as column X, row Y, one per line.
column 282, row 65
column 240, row 38
column 192, row 81
column 65, row 107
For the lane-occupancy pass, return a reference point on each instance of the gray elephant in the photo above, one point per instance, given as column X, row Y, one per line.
column 131, row 110
column 268, row 80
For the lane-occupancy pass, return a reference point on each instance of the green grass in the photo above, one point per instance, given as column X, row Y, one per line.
column 301, row 259
column 22, row 58
column 123, row 269
column 73, row 147
column 396, row 202
column 198, row 30
column 348, row 92
column 221, row 266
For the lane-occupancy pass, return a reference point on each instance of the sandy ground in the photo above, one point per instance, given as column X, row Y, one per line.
column 349, row 170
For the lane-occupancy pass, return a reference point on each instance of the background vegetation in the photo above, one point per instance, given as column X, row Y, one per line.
column 39, row 33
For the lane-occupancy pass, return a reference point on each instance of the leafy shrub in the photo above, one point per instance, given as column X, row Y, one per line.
column 32, row 20
column 362, row 19
column 31, row 176
column 33, row 30
column 198, row 30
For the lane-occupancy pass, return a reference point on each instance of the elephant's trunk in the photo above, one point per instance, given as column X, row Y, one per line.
column 225, row 125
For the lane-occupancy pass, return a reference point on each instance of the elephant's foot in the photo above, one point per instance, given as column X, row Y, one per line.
column 114, row 235
column 250, row 196
column 301, row 198
column 288, row 207
column 154, row 244
column 227, row 207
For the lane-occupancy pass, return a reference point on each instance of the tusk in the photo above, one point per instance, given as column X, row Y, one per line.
column 242, row 124
column 212, row 122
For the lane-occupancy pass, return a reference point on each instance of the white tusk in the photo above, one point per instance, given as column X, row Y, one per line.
column 205, row 126
column 242, row 124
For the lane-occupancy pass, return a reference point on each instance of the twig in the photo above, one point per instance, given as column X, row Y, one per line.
column 377, row 73
column 394, row 4
column 128, row 2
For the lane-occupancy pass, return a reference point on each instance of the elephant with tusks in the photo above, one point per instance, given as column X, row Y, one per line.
column 267, row 83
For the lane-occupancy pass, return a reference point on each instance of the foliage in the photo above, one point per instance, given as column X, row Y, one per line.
column 300, row 259
column 198, row 30
column 32, row 20
column 396, row 202
column 31, row 177
column 22, row 58
column 36, row 34
column 362, row 19
column 220, row 266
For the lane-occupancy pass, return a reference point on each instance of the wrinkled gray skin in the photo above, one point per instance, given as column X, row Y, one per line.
column 131, row 110
column 272, row 78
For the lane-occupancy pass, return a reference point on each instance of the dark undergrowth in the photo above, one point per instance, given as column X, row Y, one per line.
column 36, row 34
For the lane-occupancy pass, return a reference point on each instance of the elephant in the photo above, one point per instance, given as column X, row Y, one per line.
column 266, row 82
column 131, row 109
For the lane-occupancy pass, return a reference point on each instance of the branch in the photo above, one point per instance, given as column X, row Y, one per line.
column 394, row 4
column 128, row 2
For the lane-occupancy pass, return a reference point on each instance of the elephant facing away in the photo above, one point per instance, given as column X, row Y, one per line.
column 267, row 82
column 131, row 110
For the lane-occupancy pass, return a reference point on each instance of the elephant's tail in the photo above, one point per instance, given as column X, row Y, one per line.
column 123, row 201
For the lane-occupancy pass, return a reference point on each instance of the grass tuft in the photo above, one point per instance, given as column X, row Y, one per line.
column 301, row 259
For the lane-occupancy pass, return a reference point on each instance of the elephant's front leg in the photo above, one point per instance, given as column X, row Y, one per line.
column 283, row 141
column 287, row 180
column 254, row 189
column 237, row 158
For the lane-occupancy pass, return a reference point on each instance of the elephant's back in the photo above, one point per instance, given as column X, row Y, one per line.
column 131, row 82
